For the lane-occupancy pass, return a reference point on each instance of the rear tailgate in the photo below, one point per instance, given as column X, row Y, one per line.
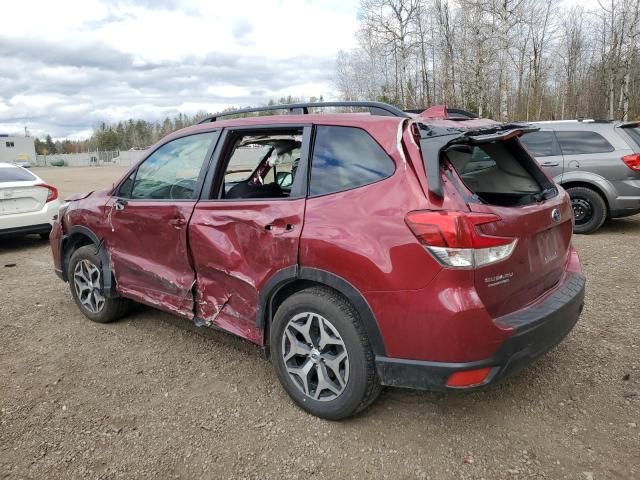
column 538, row 260
column 497, row 176
column 18, row 197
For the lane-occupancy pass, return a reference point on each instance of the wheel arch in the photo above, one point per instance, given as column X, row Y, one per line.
column 290, row 280
column 598, row 184
column 80, row 236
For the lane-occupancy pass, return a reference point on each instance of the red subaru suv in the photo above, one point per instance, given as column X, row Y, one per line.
column 424, row 251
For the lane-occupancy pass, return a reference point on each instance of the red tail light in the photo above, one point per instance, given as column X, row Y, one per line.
column 632, row 161
column 454, row 239
column 52, row 192
column 468, row 378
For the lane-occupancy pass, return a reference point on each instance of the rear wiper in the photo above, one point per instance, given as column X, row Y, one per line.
column 545, row 194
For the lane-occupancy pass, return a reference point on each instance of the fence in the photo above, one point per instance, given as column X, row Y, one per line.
column 88, row 159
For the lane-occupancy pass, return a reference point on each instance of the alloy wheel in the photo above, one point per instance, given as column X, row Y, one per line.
column 315, row 356
column 86, row 281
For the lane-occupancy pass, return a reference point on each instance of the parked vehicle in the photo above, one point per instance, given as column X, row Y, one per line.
column 597, row 162
column 359, row 250
column 27, row 203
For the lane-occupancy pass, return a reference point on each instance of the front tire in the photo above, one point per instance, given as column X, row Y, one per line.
column 589, row 209
column 87, row 287
column 322, row 355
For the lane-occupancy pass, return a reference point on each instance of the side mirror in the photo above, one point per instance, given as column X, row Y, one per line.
column 284, row 179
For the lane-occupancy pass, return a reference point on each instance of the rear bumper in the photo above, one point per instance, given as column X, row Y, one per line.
column 537, row 329
column 39, row 221
column 16, row 231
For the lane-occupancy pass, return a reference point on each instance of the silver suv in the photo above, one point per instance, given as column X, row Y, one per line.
column 596, row 161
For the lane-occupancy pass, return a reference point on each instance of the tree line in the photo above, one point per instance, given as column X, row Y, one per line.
column 504, row 59
column 137, row 133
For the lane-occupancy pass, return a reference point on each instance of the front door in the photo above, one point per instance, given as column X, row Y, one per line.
column 247, row 226
column 147, row 223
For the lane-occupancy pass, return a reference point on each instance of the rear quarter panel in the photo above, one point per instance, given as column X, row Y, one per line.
column 361, row 235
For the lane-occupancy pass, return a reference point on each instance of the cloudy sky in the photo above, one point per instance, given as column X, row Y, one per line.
column 66, row 65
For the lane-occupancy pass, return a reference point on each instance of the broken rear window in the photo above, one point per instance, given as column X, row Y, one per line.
column 500, row 173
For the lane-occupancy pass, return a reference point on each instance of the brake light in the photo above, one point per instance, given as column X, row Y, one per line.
column 632, row 161
column 52, row 192
column 454, row 240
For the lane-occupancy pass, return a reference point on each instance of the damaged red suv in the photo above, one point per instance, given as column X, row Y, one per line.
column 424, row 251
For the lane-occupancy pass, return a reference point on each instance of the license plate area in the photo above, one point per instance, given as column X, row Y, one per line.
column 549, row 247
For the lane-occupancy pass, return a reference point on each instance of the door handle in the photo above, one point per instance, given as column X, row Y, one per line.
column 177, row 223
column 272, row 226
column 550, row 164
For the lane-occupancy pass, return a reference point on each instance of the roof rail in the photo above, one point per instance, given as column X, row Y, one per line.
column 375, row 108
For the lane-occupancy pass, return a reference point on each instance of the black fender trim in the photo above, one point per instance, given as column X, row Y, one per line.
column 269, row 290
column 109, row 287
column 293, row 273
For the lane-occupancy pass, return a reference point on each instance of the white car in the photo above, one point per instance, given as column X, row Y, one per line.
column 27, row 203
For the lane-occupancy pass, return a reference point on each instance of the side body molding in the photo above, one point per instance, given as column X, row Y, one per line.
column 289, row 275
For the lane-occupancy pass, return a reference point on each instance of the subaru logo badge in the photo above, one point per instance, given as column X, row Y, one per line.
column 555, row 215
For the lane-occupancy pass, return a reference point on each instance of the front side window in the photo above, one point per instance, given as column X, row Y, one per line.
column 581, row 142
column 345, row 158
column 262, row 164
column 171, row 172
column 540, row 144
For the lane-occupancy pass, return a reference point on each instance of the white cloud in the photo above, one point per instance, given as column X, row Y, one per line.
column 67, row 65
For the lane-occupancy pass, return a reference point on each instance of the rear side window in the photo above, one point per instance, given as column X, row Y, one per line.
column 14, row 174
column 540, row 144
column 581, row 142
column 345, row 158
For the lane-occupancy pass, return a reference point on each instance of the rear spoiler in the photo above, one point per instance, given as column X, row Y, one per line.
column 434, row 140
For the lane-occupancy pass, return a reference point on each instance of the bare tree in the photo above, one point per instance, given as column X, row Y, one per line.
column 508, row 59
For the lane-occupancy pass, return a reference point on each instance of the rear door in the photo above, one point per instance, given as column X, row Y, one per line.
column 147, row 224
column 247, row 226
column 544, row 147
column 543, row 232
column 541, row 223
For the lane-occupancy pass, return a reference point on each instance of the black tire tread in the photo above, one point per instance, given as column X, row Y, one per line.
column 115, row 307
column 601, row 204
column 373, row 386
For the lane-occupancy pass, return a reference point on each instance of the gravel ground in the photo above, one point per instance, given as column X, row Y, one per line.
column 154, row 396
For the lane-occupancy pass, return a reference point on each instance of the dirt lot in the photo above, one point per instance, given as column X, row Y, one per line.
column 153, row 396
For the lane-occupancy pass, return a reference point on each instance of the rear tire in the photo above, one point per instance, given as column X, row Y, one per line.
column 322, row 355
column 589, row 209
column 87, row 287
